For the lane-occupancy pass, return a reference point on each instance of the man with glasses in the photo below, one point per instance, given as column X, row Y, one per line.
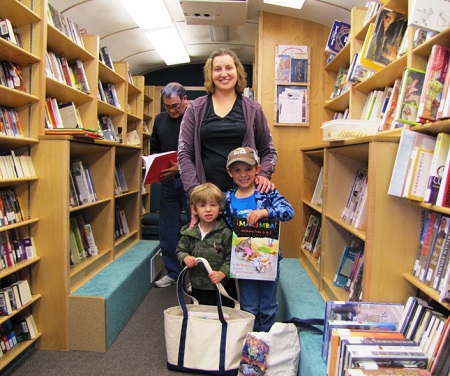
column 173, row 199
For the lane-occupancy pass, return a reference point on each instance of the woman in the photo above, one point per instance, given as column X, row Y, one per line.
column 221, row 121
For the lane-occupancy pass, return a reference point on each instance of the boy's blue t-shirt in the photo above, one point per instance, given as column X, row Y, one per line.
column 242, row 206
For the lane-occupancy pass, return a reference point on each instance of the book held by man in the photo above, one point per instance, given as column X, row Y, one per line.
column 155, row 163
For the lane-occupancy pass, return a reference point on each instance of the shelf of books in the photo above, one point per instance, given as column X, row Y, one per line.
column 20, row 113
column 84, row 211
column 364, row 225
column 150, row 111
column 312, row 212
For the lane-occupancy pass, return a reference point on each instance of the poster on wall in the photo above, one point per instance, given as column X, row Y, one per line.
column 292, row 66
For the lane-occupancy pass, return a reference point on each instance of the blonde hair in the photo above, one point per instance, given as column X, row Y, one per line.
column 241, row 83
column 206, row 191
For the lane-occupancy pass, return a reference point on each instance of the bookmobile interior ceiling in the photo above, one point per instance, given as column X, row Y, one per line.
column 200, row 34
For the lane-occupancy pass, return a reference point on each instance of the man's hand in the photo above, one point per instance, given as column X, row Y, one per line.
column 171, row 172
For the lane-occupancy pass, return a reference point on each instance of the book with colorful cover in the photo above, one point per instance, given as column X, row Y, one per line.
column 409, row 97
column 387, row 36
column 430, row 98
column 338, row 36
column 254, row 250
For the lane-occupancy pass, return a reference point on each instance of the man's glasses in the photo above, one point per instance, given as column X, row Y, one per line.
column 172, row 106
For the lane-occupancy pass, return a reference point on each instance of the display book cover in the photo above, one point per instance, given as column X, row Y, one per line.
column 155, row 163
column 254, row 250
column 359, row 315
column 338, row 36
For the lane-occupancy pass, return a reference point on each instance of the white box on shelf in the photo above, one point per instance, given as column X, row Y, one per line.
column 345, row 129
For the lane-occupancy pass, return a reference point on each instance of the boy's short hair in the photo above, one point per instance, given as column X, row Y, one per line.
column 243, row 154
column 206, row 191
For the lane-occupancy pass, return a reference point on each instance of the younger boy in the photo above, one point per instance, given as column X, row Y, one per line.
column 257, row 297
column 210, row 238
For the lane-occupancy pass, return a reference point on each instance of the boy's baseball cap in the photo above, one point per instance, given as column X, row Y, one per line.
column 243, row 154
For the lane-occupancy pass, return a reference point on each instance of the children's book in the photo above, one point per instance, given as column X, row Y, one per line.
column 254, row 250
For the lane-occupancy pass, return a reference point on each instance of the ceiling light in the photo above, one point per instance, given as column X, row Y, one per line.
column 218, row 33
column 296, row 4
column 154, row 20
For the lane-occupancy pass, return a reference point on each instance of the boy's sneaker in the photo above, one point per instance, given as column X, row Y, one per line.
column 165, row 281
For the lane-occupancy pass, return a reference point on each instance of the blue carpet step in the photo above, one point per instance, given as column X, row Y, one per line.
column 101, row 307
column 298, row 297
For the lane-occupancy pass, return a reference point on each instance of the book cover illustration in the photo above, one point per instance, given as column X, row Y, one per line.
column 409, row 98
column 338, row 36
column 254, row 250
column 431, row 15
column 387, row 36
column 437, row 69
column 155, row 163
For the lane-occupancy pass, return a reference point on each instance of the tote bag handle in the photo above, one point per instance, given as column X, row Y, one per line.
column 220, row 291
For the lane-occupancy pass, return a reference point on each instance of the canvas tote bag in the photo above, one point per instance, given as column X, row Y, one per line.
column 205, row 339
column 273, row 353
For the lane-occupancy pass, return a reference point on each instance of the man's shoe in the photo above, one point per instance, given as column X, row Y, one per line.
column 165, row 281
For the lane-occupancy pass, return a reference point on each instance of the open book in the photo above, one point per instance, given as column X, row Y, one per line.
column 155, row 163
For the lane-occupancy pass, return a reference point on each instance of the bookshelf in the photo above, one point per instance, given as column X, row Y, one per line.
column 149, row 113
column 46, row 196
column 26, row 16
column 390, row 236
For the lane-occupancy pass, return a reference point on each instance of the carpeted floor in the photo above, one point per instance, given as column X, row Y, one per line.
column 138, row 350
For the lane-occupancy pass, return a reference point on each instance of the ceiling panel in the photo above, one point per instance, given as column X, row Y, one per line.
column 116, row 29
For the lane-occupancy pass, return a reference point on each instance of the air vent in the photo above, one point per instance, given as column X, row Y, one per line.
column 210, row 12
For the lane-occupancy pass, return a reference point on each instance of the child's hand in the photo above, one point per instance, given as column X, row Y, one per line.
column 190, row 261
column 216, row 277
column 255, row 215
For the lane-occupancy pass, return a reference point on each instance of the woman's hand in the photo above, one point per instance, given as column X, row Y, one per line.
column 263, row 184
column 194, row 219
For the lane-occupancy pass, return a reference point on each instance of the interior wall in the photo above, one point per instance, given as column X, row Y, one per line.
column 274, row 30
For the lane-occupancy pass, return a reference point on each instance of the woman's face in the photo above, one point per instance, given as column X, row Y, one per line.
column 224, row 72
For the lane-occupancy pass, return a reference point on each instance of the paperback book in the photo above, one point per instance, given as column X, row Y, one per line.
column 254, row 250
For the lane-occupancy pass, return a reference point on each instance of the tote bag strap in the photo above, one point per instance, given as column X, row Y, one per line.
column 307, row 324
column 220, row 291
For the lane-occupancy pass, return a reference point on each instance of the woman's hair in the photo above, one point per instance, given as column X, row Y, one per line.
column 203, row 192
column 241, row 83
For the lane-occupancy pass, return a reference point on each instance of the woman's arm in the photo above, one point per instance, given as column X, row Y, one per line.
column 186, row 151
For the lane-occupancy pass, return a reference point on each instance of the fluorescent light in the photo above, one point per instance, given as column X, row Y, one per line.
column 169, row 45
column 155, row 21
column 296, row 4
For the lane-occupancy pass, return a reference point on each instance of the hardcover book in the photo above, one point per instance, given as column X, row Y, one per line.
column 390, row 26
column 254, row 250
column 409, row 97
column 430, row 98
column 430, row 15
column 437, row 249
column 408, row 140
column 359, row 312
column 156, row 163
column 437, row 167
column 338, row 36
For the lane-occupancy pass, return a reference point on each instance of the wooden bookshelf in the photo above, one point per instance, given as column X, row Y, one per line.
column 27, row 17
column 390, row 235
